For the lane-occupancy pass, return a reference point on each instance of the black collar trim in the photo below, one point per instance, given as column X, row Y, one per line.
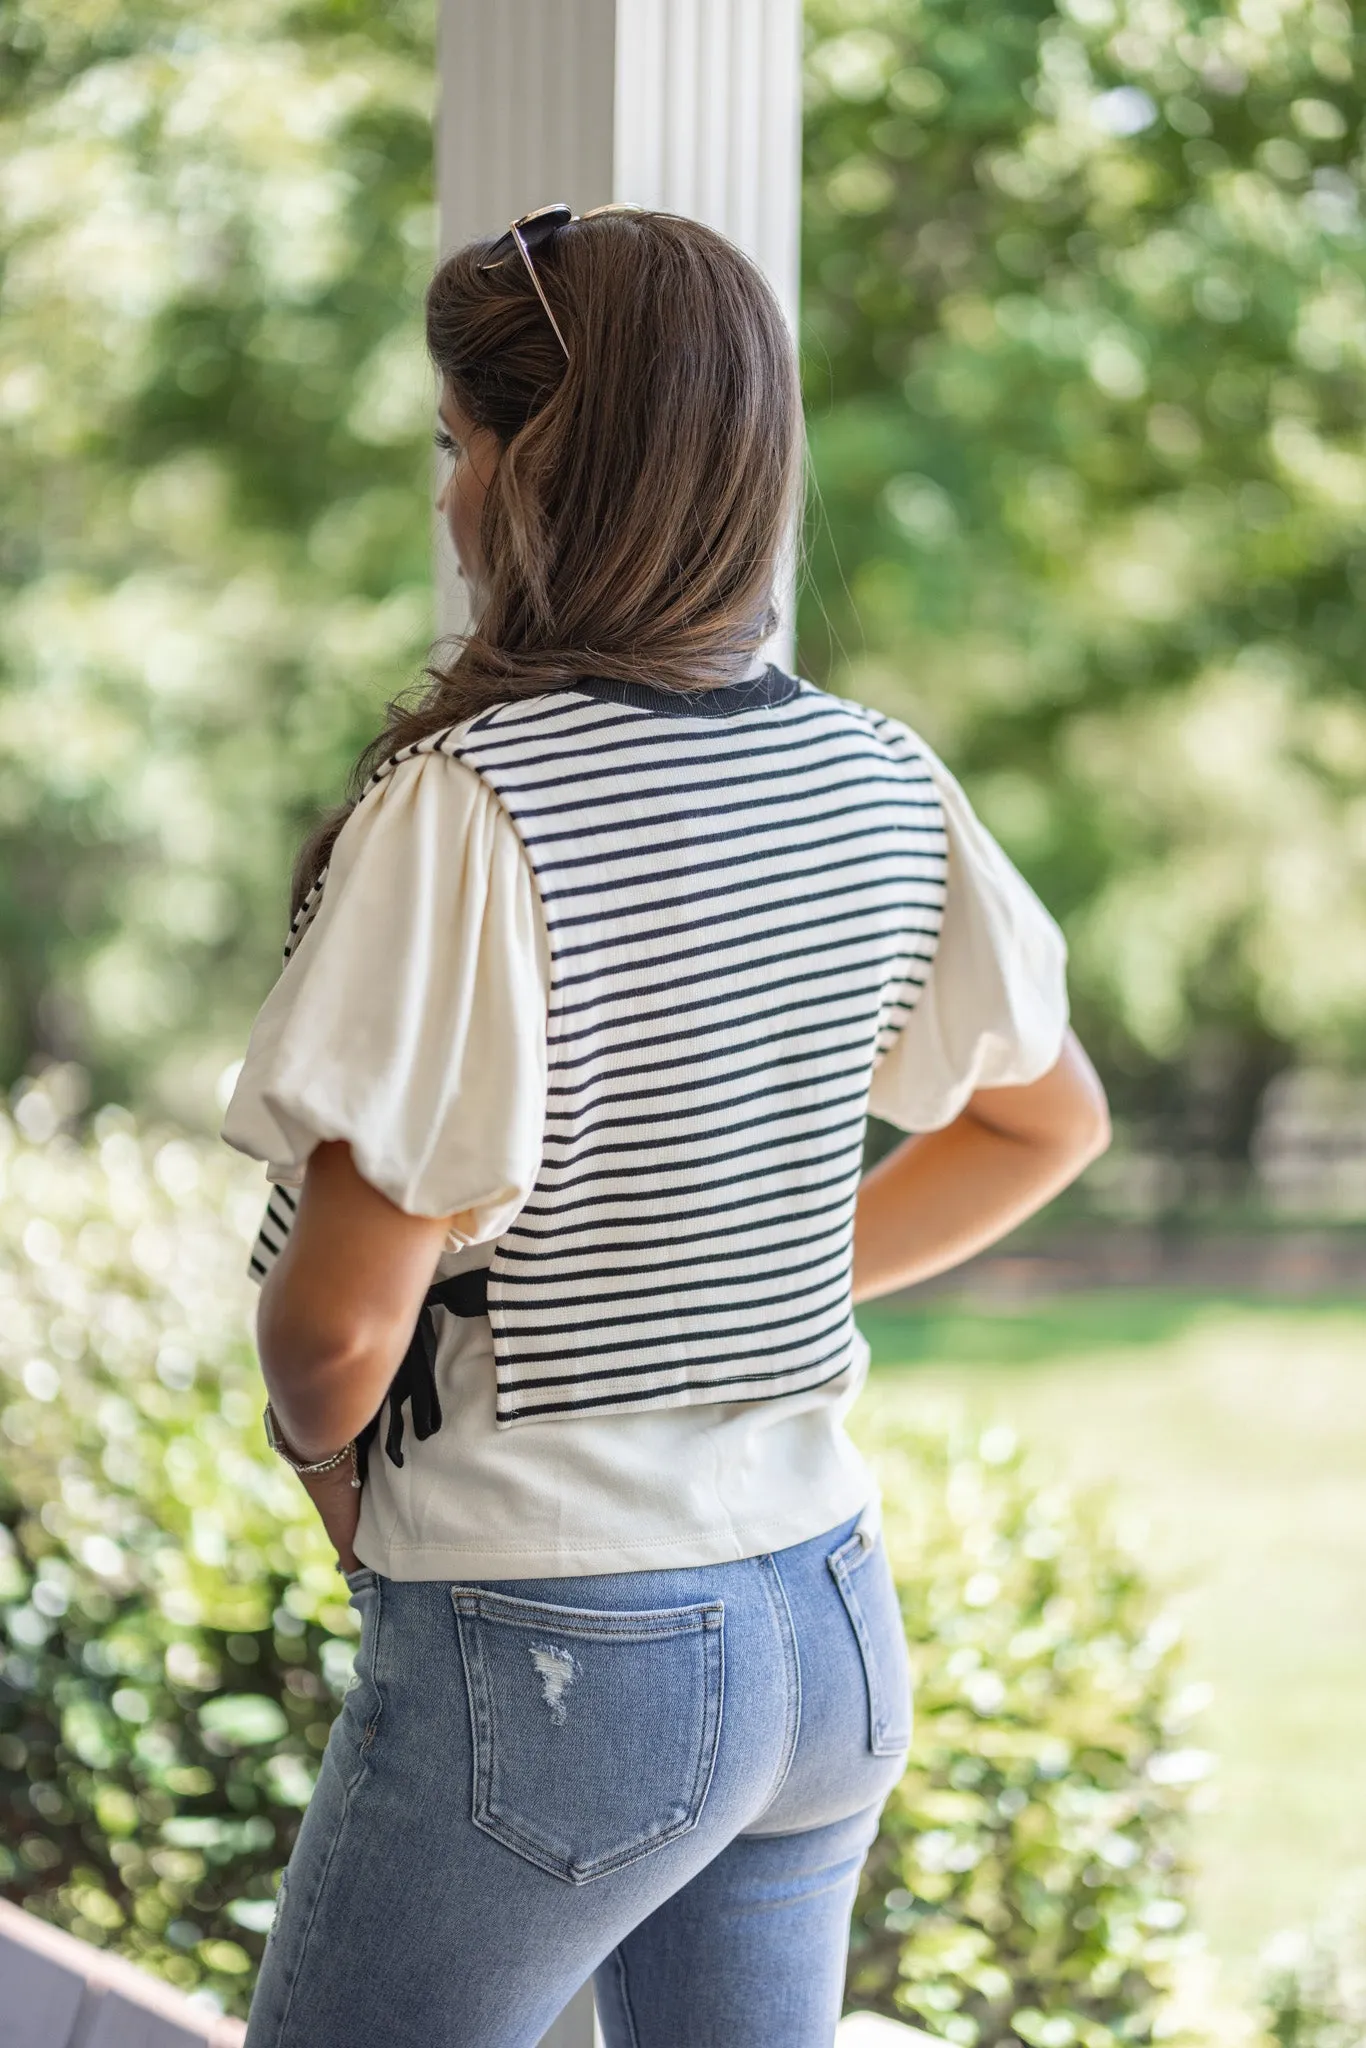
column 756, row 693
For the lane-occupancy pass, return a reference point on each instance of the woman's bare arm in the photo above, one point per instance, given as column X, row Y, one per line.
column 937, row 1199
column 336, row 1311
column 339, row 1305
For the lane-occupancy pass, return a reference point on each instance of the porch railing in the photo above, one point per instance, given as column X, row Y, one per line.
column 58, row 1992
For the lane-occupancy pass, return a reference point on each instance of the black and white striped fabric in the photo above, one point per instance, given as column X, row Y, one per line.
column 743, row 892
column 275, row 1228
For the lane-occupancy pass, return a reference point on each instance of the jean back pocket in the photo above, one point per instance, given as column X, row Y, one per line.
column 594, row 1733
column 861, row 1570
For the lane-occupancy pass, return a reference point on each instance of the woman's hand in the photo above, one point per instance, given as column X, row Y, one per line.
column 936, row 1200
column 338, row 1505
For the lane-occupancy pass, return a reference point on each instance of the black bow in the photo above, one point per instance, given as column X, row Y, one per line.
column 464, row 1294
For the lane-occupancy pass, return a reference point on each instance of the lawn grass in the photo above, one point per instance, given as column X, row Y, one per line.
column 1232, row 1437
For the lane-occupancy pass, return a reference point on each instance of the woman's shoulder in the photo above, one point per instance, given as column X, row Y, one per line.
column 436, row 761
column 422, row 822
column 896, row 734
column 429, row 788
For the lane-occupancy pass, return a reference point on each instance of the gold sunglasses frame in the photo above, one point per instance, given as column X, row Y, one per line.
column 538, row 213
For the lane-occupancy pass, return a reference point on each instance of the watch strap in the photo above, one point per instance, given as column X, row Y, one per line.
column 275, row 1439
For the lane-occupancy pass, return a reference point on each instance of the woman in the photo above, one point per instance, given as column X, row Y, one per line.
column 587, row 994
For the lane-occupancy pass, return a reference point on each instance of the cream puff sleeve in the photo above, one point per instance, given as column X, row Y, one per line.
column 994, row 1011
column 410, row 1019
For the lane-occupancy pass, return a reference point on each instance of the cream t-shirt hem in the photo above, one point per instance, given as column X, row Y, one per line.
column 655, row 1491
column 723, row 1545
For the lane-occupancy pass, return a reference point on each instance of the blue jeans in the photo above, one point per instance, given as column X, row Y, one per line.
column 666, row 1780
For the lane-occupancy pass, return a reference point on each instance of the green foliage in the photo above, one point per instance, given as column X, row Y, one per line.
column 1084, row 294
column 175, row 1637
column 216, row 226
column 1315, row 1984
column 1029, row 1881
column 1085, row 300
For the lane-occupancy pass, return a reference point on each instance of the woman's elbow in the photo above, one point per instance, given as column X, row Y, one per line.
column 1097, row 1132
column 1063, row 1116
column 1085, row 1130
column 1071, row 1116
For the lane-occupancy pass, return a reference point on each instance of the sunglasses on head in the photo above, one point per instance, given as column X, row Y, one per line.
column 532, row 231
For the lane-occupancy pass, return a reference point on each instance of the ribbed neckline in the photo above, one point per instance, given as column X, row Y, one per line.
column 754, row 693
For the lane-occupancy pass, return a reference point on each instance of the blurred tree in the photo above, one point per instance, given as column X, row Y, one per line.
column 1085, row 351
column 214, row 541
column 1086, row 332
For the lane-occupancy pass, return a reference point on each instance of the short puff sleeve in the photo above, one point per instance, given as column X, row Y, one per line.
column 410, row 1019
column 994, row 1011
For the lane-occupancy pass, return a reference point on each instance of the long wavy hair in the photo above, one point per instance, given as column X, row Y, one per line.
column 645, row 490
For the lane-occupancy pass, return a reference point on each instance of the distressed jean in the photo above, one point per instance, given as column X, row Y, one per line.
column 665, row 1780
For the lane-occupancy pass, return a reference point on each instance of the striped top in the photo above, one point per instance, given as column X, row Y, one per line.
column 743, row 891
column 412, row 1023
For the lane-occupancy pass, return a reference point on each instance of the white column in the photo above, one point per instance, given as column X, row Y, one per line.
column 692, row 105
column 689, row 105
column 527, row 109
column 708, row 121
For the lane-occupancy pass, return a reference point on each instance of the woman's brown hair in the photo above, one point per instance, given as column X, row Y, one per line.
column 645, row 489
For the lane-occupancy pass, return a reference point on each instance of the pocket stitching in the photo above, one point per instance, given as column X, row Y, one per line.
column 656, row 1624
column 481, row 1719
column 705, row 1620
column 365, row 1746
column 882, row 1741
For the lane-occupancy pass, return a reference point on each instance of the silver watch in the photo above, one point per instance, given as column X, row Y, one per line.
column 281, row 1448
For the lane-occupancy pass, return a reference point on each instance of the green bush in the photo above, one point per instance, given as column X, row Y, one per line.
column 1315, row 1982
column 1029, row 1880
column 175, row 1639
